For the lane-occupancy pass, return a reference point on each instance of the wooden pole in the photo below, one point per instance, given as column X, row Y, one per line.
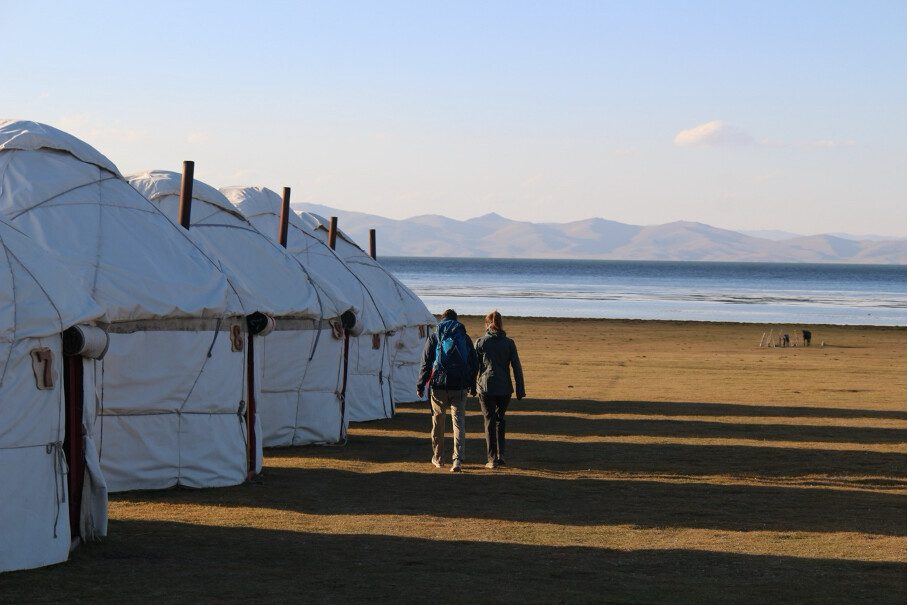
column 186, row 192
column 285, row 217
column 332, row 233
column 372, row 243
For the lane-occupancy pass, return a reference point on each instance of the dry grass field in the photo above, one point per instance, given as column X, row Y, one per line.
column 651, row 462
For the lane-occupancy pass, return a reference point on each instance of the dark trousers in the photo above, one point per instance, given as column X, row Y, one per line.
column 493, row 409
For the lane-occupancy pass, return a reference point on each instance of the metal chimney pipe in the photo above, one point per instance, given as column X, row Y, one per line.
column 285, row 217
column 332, row 233
column 186, row 192
column 372, row 243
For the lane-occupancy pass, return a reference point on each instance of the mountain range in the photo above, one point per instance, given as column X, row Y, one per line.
column 492, row 235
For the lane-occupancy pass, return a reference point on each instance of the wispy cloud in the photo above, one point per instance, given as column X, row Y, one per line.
column 242, row 176
column 714, row 133
column 625, row 152
column 813, row 144
column 197, row 137
column 717, row 133
column 829, row 143
column 93, row 129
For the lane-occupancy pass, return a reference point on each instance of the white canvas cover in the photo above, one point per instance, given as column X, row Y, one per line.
column 304, row 392
column 406, row 315
column 262, row 207
column 406, row 346
column 273, row 282
column 164, row 399
column 367, row 393
column 38, row 300
column 297, row 382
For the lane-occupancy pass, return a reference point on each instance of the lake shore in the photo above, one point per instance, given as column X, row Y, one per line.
column 663, row 361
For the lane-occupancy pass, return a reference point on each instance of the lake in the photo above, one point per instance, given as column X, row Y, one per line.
column 766, row 293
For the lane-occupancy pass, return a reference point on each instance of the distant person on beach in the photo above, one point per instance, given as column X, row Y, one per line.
column 449, row 369
column 805, row 334
column 497, row 355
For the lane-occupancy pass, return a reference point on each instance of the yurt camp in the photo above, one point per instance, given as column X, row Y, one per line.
column 334, row 378
column 168, row 401
column 51, row 489
column 407, row 319
column 296, row 377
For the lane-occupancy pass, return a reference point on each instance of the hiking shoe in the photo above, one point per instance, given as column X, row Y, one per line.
column 492, row 464
column 500, row 463
column 455, row 468
column 436, row 463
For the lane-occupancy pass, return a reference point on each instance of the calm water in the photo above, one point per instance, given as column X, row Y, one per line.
column 730, row 292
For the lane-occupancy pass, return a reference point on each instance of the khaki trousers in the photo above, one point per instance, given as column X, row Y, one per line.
column 456, row 400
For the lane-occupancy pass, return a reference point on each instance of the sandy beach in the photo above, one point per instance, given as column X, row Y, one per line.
column 651, row 461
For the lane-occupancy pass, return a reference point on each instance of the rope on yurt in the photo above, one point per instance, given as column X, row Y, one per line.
column 60, row 472
column 381, row 381
column 9, row 256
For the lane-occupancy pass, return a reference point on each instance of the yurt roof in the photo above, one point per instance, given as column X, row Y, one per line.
column 267, row 277
column 400, row 305
column 38, row 297
column 135, row 261
column 33, row 136
column 262, row 206
column 157, row 184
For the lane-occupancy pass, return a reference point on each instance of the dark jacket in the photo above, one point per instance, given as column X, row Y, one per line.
column 496, row 353
column 442, row 380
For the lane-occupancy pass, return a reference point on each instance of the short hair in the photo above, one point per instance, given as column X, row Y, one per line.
column 449, row 314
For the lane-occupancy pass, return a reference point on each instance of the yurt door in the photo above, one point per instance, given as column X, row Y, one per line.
column 73, row 442
column 250, row 409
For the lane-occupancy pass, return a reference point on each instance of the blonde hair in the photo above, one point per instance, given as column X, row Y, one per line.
column 493, row 320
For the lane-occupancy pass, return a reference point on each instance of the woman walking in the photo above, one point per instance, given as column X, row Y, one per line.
column 497, row 357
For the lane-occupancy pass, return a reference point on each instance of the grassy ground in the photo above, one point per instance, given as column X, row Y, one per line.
column 652, row 462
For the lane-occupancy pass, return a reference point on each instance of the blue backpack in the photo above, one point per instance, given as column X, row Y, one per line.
column 452, row 356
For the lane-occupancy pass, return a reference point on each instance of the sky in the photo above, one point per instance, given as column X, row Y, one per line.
column 750, row 114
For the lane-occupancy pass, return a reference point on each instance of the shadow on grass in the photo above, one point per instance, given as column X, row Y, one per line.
column 149, row 562
column 574, row 426
column 520, row 498
column 691, row 409
column 858, row 468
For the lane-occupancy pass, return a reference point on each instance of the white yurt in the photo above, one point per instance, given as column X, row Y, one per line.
column 168, row 400
column 46, row 500
column 407, row 319
column 366, row 389
column 297, row 379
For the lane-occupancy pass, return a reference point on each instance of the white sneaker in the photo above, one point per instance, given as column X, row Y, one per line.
column 436, row 463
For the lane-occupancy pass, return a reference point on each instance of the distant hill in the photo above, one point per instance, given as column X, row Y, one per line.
column 777, row 234
column 771, row 234
column 495, row 236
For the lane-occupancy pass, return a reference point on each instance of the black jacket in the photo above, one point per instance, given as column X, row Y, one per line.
column 442, row 380
column 497, row 356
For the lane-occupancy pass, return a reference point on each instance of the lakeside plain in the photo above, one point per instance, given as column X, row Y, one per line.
column 651, row 462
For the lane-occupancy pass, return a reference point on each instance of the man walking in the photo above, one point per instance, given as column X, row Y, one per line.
column 449, row 368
